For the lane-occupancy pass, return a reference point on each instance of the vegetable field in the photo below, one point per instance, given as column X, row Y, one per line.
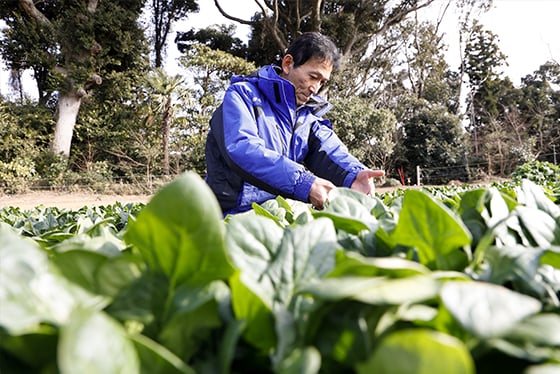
column 456, row 280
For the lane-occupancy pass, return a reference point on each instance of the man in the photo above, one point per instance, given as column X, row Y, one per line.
column 269, row 138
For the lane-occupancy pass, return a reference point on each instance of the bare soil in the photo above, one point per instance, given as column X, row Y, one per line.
column 77, row 200
column 66, row 200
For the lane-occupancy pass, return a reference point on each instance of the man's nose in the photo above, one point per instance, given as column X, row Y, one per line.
column 315, row 86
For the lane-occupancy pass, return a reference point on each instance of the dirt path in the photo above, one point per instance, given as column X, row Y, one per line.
column 66, row 200
column 77, row 200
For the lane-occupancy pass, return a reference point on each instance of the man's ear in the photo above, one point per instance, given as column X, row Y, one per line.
column 287, row 64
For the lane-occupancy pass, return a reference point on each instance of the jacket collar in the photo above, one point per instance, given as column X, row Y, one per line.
column 280, row 91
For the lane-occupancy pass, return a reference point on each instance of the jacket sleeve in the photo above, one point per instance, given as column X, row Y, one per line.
column 329, row 158
column 246, row 153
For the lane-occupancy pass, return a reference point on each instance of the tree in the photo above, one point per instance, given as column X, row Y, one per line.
column 539, row 106
column 483, row 58
column 163, row 90
column 163, row 14
column 365, row 31
column 369, row 133
column 424, row 61
column 467, row 12
column 86, row 40
column 355, row 26
column 110, row 123
column 211, row 70
column 23, row 134
column 433, row 139
column 219, row 37
column 28, row 45
column 507, row 143
column 482, row 61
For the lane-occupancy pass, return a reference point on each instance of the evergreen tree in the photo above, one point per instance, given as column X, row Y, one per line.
column 483, row 58
column 370, row 134
column 434, row 140
column 214, row 37
column 83, row 42
column 164, row 93
column 162, row 15
column 540, row 108
column 212, row 70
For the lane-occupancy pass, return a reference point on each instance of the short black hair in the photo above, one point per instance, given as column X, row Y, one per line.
column 314, row 45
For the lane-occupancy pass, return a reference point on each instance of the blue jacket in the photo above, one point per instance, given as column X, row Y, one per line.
column 260, row 145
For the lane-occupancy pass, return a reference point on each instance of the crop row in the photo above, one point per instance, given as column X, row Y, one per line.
column 418, row 281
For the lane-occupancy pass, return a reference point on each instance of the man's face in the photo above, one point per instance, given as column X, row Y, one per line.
column 307, row 78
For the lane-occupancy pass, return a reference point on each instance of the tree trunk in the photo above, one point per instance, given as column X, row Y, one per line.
column 69, row 102
column 68, row 108
column 165, row 129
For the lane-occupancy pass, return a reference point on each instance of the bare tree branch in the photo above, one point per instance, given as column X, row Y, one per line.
column 29, row 8
column 236, row 19
column 92, row 5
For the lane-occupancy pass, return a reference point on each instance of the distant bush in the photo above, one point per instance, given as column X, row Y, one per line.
column 17, row 176
column 391, row 182
column 543, row 173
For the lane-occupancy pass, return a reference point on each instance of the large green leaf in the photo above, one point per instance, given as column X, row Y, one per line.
column 470, row 209
column 144, row 301
column 92, row 342
column 419, row 351
column 532, row 195
column 253, row 243
column 486, row 310
column 80, row 266
column 496, row 207
column 98, row 272
column 539, row 229
column 377, row 291
column 518, row 264
column 541, row 329
column 485, row 212
column 301, row 361
column 354, row 264
column 193, row 316
column 37, row 350
column 350, row 211
column 306, row 253
column 543, row 369
column 279, row 260
column 101, row 239
column 117, row 273
column 284, row 211
column 180, row 233
column 432, row 228
column 249, row 307
column 499, row 220
column 343, row 331
column 157, row 359
column 274, row 264
column 32, row 291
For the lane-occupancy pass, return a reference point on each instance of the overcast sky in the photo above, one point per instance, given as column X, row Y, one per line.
column 528, row 34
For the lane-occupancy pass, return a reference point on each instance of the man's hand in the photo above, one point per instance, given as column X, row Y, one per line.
column 364, row 181
column 319, row 192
